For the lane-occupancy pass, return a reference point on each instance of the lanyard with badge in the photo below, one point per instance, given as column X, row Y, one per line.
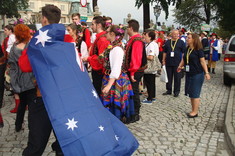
column 173, row 48
column 187, row 59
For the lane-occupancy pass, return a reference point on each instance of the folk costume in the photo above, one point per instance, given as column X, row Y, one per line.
column 214, row 56
column 206, row 47
column 98, row 47
column 135, row 62
column 119, row 100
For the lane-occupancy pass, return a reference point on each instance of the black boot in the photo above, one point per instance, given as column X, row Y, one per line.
column 209, row 69
column 213, row 70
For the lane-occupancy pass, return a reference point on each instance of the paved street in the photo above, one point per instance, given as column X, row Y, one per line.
column 163, row 129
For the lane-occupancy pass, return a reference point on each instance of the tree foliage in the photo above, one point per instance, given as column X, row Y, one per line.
column 192, row 13
column 163, row 3
column 226, row 14
column 10, row 8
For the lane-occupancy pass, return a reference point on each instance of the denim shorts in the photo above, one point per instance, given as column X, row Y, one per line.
column 193, row 84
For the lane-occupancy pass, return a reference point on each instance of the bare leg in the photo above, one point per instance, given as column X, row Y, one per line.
column 195, row 105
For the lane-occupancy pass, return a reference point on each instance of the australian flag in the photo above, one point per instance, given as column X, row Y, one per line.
column 81, row 123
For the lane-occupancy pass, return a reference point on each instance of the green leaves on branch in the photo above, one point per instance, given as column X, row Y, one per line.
column 193, row 13
column 10, row 8
column 226, row 14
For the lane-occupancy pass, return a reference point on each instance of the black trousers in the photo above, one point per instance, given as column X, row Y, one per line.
column 39, row 129
column 160, row 56
column 26, row 98
column 97, row 77
column 2, row 80
column 135, row 87
column 150, row 82
column 173, row 74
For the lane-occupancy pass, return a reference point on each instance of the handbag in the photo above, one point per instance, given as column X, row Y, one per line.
column 163, row 76
column 152, row 66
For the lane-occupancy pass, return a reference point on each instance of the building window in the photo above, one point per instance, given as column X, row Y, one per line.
column 62, row 7
column 63, row 20
column 31, row 5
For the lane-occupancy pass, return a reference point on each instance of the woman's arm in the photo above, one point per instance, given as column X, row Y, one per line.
column 204, row 66
column 116, row 59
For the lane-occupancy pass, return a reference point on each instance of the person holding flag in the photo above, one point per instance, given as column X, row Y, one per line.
column 81, row 123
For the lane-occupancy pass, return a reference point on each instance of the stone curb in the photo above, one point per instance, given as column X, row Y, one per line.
column 229, row 129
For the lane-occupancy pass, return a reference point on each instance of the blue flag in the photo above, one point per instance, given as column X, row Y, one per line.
column 81, row 123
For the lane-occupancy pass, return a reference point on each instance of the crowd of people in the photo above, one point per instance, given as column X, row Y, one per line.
column 117, row 68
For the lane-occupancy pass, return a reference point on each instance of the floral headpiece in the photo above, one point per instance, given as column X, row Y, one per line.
column 79, row 29
column 19, row 21
column 120, row 33
column 108, row 24
column 120, row 30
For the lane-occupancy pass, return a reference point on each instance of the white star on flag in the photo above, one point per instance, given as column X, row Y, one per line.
column 116, row 137
column 71, row 124
column 42, row 37
column 101, row 128
column 94, row 93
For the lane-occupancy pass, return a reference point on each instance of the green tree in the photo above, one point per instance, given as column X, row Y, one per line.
column 192, row 13
column 146, row 4
column 226, row 14
column 10, row 8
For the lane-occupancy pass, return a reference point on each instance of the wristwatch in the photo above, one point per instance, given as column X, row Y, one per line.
column 206, row 72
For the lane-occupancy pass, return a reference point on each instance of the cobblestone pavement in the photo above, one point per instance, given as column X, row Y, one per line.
column 163, row 128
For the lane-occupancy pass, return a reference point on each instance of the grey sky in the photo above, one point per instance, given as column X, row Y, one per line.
column 118, row 9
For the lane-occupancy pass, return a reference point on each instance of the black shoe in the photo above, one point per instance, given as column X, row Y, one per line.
column 176, row 95
column 1, row 124
column 18, row 128
column 213, row 70
column 192, row 116
column 59, row 153
column 11, row 93
column 166, row 93
column 135, row 118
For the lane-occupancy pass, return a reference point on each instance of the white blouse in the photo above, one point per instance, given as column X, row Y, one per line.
column 10, row 42
column 152, row 49
column 84, row 50
column 116, row 59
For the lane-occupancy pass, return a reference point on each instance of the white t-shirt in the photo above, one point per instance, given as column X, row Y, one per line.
column 152, row 49
column 93, row 37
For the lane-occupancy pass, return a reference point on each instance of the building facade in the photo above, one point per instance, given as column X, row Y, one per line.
column 68, row 7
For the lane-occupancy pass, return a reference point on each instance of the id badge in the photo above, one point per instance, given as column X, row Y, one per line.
column 187, row 68
column 172, row 54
